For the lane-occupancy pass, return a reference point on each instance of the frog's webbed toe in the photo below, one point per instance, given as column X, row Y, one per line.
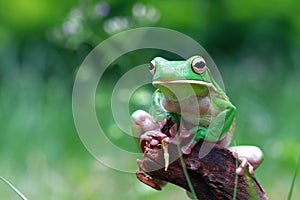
column 244, row 164
column 249, row 156
column 192, row 141
column 187, row 149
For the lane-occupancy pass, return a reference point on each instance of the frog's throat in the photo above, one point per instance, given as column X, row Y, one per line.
column 196, row 82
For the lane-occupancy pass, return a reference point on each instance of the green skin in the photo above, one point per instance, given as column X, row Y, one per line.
column 193, row 98
column 188, row 94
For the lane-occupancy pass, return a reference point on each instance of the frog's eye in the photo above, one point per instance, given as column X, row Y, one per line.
column 199, row 65
column 152, row 67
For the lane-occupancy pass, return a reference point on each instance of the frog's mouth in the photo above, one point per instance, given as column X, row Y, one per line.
column 181, row 89
column 192, row 82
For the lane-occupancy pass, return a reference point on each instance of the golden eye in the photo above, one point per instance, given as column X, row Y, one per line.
column 152, row 67
column 198, row 65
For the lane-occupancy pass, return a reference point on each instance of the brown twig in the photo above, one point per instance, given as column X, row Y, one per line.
column 212, row 177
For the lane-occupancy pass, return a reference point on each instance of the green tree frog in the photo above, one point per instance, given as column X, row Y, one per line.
column 188, row 95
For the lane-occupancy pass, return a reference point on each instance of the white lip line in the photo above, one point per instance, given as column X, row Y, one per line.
column 198, row 82
column 183, row 81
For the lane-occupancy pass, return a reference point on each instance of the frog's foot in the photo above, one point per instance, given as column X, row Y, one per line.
column 146, row 179
column 244, row 164
column 142, row 122
column 201, row 133
column 152, row 139
column 187, row 149
column 249, row 156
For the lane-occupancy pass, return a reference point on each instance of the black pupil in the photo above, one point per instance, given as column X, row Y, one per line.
column 200, row 64
column 151, row 66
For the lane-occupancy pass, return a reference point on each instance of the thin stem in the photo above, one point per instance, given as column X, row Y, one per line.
column 294, row 179
column 187, row 177
column 236, row 176
column 236, row 180
column 13, row 188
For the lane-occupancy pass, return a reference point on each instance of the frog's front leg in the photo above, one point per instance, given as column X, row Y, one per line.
column 220, row 126
column 249, row 156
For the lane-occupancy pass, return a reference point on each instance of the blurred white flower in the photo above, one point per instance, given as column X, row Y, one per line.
column 115, row 24
column 102, row 9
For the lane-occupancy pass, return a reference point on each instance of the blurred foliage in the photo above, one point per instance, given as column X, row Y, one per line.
column 42, row 43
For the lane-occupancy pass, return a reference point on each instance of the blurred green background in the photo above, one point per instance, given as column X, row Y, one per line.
column 255, row 45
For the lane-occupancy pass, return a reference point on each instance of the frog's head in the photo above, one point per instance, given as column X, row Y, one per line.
column 181, row 79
